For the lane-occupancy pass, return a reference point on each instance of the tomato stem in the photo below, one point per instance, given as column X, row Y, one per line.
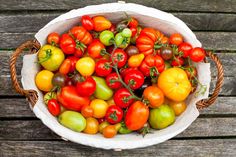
column 47, row 57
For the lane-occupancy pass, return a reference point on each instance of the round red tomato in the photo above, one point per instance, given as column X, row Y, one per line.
column 114, row 114
column 67, row 44
column 87, row 22
column 197, row 54
column 176, row 39
column 103, row 67
column 95, row 49
column 134, row 79
column 112, row 81
column 122, row 98
column 86, row 86
column 178, row 61
column 53, row 38
column 119, row 57
column 185, row 48
column 136, row 116
column 53, row 107
column 133, row 22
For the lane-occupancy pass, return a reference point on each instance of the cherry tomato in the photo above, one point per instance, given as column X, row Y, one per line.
column 132, row 50
column 125, row 71
column 86, row 86
column 114, row 114
column 178, row 61
column 106, row 37
column 154, row 96
column 197, row 54
column 176, row 39
column 53, row 38
column 53, row 107
column 166, row 53
column 135, row 60
column 99, row 108
column 109, row 131
column 67, row 44
column 112, row 81
column 103, row 67
column 126, row 33
column 185, row 48
column 82, row 36
column 73, row 61
column 87, row 22
column 101, row 23
column 133, row 22
column 136, row 116
column 178, row 107
column 134, row 79
column 122, row 98
column 59, row 80
column 134, row 31
column 65, row 67
column 119, row 57
column 85, row 66
column 87, row 111
column 95, row 49
column 92, row 126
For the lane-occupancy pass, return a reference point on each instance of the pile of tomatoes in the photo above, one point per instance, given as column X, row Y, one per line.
column 116, row 78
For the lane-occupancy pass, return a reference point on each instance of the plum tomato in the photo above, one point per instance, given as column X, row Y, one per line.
column 197, row 54
column 134, row 79
column 86, row 86
column 119, row 57
column 114, row 114
column 185, row 49
column 112, row 81
column 101, row 23
column 53, row 107
column 103, row 67
column 87, row 22
column 65, row 67
column 123, row 98
column 176, row 39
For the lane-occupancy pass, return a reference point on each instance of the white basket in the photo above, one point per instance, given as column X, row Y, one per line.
column 151, row 17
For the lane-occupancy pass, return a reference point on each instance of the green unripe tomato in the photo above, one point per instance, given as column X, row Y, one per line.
column 106, row 37
column 126, row 33
column 102, row 90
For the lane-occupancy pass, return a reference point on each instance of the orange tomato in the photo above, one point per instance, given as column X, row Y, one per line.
column 154, row 95
column 87, row 111
column 175, row 84
column 92, row 126
column 176, row 39
column 101, row 23
column 135, row 60
column 65, row 67
column 178, row 107
column 109, row 131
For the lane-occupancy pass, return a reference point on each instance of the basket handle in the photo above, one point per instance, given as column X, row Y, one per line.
column 34, row 46
column 220, row 79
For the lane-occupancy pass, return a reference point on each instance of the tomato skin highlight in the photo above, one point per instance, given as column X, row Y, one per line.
column 136, row 116
column 87, row 22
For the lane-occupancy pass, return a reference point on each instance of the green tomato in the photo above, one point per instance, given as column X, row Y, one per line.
column 121, row 42
column 124, row 130
column 106, row 37
column 50, row 57
column 102, row 90
column 48, row 96
column 161, row 117
column 72, row 120
column 126, row 33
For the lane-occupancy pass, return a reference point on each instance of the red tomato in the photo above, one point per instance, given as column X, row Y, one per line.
column 112, row 81
column 79, row 52
column 176, row 39
column 134, row 31
column 101, row 23
column 178, row 61
column 133, row 22
column 70, row 99
column 124, row 71
column 87, row 22
column 145, row 69
column 119, row 57
column 114, row 114
column 95, row 48
column 73, row 61
column 122, row 98
column 136, row 116
column 134, row 79
column 53, row 38
column 86, row 86
column 197, row 54
column 81, row 35
column 185, row 48
column 65, row 67
column 53, row 107
column 67, row 44
column 112, row 28
column 103, row 67
column 87, row 111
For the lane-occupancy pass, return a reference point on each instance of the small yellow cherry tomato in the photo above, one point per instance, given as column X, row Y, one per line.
column 99, row 108
column 85, row 66
column 135, row 60
column 43, row 80
column 92, row 126
column 178, row 107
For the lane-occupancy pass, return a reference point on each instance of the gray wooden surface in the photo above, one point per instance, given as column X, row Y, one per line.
column 212, row 134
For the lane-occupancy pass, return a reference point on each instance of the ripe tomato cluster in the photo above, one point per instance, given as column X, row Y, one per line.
column 116, row 78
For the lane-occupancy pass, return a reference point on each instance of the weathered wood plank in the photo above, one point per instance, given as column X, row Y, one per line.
column 19, row 108
column 210, row 40
column 168, row 5
column 19, row 23
column 36, row 130
column 193, row 148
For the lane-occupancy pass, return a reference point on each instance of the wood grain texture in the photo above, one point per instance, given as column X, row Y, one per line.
column 210, row 40
column 32, row 22
column 36, row 130
column 180, row 148
column 167, row 5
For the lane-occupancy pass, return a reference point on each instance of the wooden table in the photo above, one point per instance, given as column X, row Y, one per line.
column 212, row 134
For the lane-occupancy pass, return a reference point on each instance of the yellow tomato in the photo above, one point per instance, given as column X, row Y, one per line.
column 175, row 84
column 92, row 126
column 43, row 80
column 99, row 108
column 85, row 66
column 178, row 107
